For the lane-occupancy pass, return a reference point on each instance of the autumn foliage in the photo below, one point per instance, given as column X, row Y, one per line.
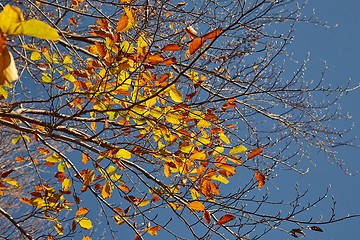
column 139, row 122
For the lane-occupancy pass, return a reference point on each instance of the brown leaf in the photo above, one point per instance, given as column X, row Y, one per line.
column 195, row 45
column 316, row 228
column 297, row 232
column 224, row 219
column 207, row 216
column 260, row 178
column 254, row 153
column 190, row 31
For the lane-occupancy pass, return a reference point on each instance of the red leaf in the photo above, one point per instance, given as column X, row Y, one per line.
column 224, row 219
column 254, row 153
column 5, row 174
column 195, row 45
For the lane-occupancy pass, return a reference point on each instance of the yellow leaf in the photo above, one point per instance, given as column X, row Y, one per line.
column 238, row 149
column 11, row 181
column 218, row 150
column 235, row 160
column 143, row 203
column 203, row 123
column 46, row 78
column 224, row 138
column 59, row 229
column 198, row 156
column 86, row 238
column 85, row 158
column 35, row 56
column 8, row 72
column 123, row 153
column 16, row 140
column 84, row 222
column 89, row 178
column 194, row 194
column 127, row 47
column 220, row 178
column 196, row 205
column 66, row 184
column 54, row 158
column 175, row 95
column 3, row 92
column 12, row 22
column 187, row 148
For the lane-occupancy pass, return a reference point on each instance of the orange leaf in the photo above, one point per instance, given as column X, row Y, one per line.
column 81, row 211
column 207, row 216
column 213, row 34
column 44, row 151
column 154, row 59
column 124, row 24
column 254, row 153
column 85, row 158
column 196, row 205
column 171, row 47
column 260, row 179
column 195, row 45
column 224, row 219
column 167, row 170
column 169, row 61
column 153, row 230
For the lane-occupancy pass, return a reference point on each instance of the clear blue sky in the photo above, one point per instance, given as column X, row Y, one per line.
column 340, row 48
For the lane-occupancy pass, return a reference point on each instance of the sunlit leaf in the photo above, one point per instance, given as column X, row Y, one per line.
column 224, row 138
column 175, row 95
column 218, row 150
column 86, row 238
column 196, row 206
column 123, row 153
column 84, row 222
column 238, row 149
column 220, row 178
column 254, row 153
column 66, row 184
column 10, row 181
column 198, row 156
column 12, row 22
column 195, row 195
column 224, row 219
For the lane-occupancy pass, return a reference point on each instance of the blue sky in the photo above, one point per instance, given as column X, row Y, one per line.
column 339, row 47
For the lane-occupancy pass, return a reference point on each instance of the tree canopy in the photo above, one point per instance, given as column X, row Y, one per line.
column 144, row 118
